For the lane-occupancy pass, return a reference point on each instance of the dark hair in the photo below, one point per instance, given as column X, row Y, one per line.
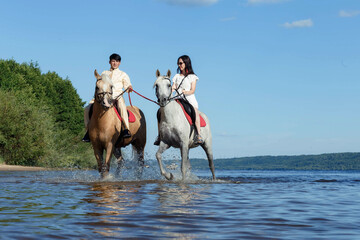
column 115, row 57
column 188, row 66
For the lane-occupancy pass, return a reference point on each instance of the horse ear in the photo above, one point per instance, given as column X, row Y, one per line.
column 168, row 73
column 157, row 73
column 98, row 77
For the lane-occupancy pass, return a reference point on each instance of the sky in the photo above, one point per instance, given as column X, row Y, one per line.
column 276, row 77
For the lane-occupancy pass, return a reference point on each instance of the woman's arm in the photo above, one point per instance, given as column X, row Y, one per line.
column 192, row 89
column 174, row 86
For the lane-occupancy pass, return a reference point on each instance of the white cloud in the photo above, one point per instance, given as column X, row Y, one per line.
column 190, row 2
column 299, row 24
column 353, row 13
column 253, row 2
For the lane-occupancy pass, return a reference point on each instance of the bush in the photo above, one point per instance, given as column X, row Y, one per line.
column 25, row 130
column 41, row 119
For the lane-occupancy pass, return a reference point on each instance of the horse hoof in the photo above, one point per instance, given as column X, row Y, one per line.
column 169, row 176
column 104, row 174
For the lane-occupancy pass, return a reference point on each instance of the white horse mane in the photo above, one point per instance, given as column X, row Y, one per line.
column 106, row 78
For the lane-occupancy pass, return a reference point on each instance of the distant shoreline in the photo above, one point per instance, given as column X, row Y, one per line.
column 4, row 167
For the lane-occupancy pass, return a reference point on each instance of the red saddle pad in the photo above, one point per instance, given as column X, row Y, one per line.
column 202, row 121
column 131, row 118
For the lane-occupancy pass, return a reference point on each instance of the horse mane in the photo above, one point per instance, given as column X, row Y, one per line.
column 106, row 78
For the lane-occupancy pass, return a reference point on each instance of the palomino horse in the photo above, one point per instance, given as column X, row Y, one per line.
column 105, row 127
column 175, row 130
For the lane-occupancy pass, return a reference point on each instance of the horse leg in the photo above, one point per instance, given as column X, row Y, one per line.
column 139, row 151
column 106, row 164
column 119, row 160
column 208, row 150
column 185, row 163
column 163, row 146
column 98, row 155
column 139, row 155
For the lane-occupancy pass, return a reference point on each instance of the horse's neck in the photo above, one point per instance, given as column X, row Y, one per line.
column 98, row 109
column 170, row 111
column 104, row 116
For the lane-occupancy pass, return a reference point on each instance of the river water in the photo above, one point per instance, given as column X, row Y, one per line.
column 239, row 205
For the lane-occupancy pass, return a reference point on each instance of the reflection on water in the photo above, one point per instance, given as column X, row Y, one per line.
column 241, row 205
column 178, row 198
column 115, row 207
column 109, row 200
column 114, row 198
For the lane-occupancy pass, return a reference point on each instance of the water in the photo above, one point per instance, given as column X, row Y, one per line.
column 240, row 205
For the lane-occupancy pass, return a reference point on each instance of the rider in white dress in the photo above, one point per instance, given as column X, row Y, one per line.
column 185, row 83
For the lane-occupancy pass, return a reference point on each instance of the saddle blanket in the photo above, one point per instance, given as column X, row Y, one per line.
column 202, row 121
column 132, row 117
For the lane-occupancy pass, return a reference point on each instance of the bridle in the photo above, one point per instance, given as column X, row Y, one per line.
column 179, row 95
column 99, row 97
column 168, row 99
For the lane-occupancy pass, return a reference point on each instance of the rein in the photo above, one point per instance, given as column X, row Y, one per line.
column 169, row 99
column 141, row 96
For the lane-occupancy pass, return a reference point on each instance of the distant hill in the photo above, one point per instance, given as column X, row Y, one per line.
column 328, row 161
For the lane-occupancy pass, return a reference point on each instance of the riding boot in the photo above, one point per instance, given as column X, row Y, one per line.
column 126, row 133
column 86, row 138
column 199, row 140
column 157, row 141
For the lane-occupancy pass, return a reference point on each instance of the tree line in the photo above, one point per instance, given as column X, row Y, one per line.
column 41, row 119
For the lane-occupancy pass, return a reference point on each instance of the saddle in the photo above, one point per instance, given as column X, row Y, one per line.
column 189, row 112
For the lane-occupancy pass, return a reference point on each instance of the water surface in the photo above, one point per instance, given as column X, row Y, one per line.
column 239, row 205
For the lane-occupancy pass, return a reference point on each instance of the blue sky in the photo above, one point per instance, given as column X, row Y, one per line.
column 277, row 77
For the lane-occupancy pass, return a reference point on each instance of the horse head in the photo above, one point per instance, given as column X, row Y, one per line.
column 103, row 90
column 162, row 87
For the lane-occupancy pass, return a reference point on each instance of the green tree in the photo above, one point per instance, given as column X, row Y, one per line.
column 25, row 130
column 41, row 119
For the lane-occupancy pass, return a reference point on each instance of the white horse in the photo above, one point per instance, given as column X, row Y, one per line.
column 175, row 130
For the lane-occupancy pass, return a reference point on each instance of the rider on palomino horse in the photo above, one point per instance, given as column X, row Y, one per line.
column 120, row 80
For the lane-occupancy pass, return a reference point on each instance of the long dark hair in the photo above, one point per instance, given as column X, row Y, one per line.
column 188, row 66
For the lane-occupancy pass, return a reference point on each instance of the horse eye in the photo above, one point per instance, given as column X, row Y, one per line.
column 169, row 85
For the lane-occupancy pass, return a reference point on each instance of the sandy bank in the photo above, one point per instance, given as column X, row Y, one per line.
column 4, row 167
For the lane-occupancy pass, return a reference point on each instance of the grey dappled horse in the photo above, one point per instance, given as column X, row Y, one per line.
column 175, row 131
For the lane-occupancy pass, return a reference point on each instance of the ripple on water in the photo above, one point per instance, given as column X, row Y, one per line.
column 239, row 204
